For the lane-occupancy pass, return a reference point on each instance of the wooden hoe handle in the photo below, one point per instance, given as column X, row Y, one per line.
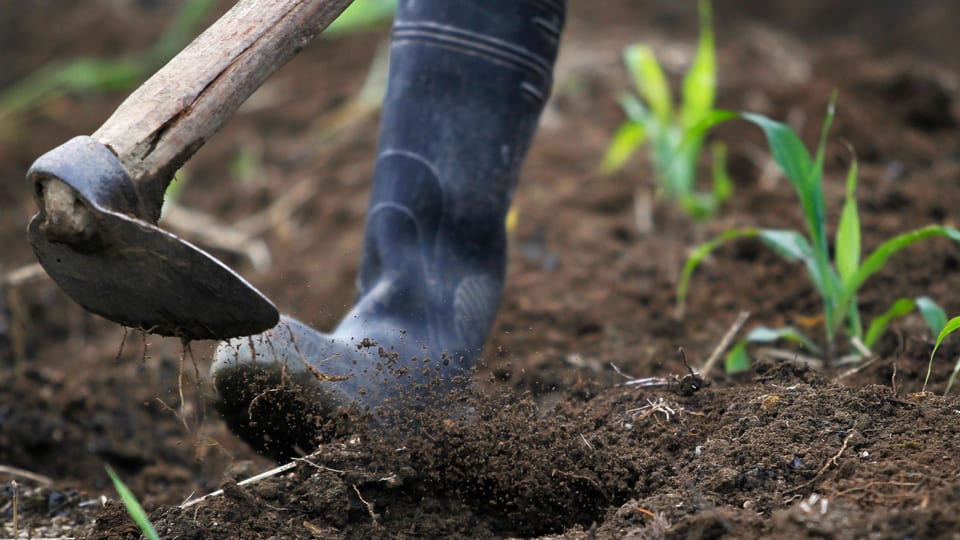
column 167, row 119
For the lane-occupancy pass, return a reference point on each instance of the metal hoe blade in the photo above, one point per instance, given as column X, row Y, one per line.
column 126, row 269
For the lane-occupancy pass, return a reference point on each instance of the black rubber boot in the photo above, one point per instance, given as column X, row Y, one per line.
column 468, row 80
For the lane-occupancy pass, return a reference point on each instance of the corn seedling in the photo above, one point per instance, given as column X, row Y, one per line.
column 837, row 279
column 948, row 328
column 133, row 506
column 675, row 137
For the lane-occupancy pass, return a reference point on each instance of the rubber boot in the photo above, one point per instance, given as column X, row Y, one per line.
column 467, row 82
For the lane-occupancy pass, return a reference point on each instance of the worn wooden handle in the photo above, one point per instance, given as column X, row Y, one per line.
column 167, row 119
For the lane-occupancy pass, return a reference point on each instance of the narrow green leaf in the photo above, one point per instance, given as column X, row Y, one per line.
column 848, row 231
column 764, row 334
column 677, row 163
column 793, row 246
column 790, row 245
column 933, row 314
column 854, row 322
column 649, row 80
column 879, row 325
column 361, row 15
column 722, row 183
column 788, row 151
column 949, row 328
column 635, row 109
column 628, row 138
column 700, row 82
column 133, row 506
column 953, row 377
column 700, row 253
column 814, row 187
column 738, row 359
column 792, row 157
column 878, row 258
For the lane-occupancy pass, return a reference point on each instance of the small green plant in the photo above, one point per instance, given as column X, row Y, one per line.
column 133, row 506
column 949, row 327
column 838, row 279
column 675, row 137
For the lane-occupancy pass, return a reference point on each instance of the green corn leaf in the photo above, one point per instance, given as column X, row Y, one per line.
column 738, row 359
column 635, row 109
column 953, row 377
column 133, row 506
column 700, row 253
column 792, row 157
column 700, row 82
column 854, row 322
column 57, row 79
column 678, row 163
column 722, row 183
column 699, row 205
column 949, row 328
column 848, row 231
column 361, row 15
column 933, row 314
column 649, row 80
column 793, row 246
column 764, row 334
column 628, row 138
column 814, row 187
column 876, row 260
column 695, row 134
column 879, row 326
column 788, row 152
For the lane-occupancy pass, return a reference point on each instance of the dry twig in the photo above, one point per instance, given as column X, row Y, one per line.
column 25, row 475
column 724, row 343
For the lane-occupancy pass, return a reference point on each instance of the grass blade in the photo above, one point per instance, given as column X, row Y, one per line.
column 814, row 186
column 793, row 246
column 361, row 15
column 764, row 334
column 133, row 506
column 722, row 183
column 700, row 82
column 788, row 151
column 649, row 80
column 737, row 360
column 933, row 314
column 792, row 157
column 876, row 260
column 630, row 136
column 848, row 231
column 879, row 325
column 700, row 253
column 948, row 329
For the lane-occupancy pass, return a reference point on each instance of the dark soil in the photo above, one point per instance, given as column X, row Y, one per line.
column 559, row 445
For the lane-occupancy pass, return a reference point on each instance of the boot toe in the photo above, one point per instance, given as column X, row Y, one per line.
column 268, row 398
